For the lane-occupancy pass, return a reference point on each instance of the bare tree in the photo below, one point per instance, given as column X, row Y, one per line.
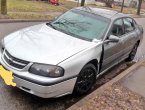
column 139, row 7
column 4, row 7
column 122, row 6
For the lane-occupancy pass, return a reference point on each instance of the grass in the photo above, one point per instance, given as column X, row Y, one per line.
column 17, row 9
column 37, row 6
column 27, row 6
column 31, row 9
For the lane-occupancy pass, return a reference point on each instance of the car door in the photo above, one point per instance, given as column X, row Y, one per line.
column 129, row 38
column 113, row 51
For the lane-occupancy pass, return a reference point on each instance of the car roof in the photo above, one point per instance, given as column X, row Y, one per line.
column 111, row 14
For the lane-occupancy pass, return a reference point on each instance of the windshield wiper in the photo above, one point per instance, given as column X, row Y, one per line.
column 60, row 22
column 49, row 24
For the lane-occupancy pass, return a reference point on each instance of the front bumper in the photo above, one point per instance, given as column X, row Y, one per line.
column 56, row 90
column 41, row 86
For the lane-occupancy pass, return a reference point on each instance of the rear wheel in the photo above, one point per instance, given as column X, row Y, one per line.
column 133, row 52
column 85, row 80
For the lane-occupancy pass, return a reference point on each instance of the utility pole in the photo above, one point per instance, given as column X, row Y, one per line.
column 4, row 7
column 122, row 6
column 82, row 2
column 139, row 7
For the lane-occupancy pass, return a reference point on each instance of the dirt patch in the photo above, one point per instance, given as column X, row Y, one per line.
column 115, row 97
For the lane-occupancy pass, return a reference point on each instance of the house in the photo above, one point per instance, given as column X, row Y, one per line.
column 127, row 3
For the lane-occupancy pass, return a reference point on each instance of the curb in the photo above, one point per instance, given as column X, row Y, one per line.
column 21, row 20
column 82, row 102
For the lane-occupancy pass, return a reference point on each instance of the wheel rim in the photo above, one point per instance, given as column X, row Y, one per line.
column 86, row 80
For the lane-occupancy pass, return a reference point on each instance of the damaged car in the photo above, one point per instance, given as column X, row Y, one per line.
column 68, row 54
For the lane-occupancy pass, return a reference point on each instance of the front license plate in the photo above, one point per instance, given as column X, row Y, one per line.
column 7, row 76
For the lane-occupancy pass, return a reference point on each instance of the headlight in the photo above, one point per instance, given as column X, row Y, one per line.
column 47, row 70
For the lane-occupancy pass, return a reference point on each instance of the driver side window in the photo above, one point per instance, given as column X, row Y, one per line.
column 117, row 29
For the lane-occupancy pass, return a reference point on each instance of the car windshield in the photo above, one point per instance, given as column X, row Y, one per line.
column 81, row 24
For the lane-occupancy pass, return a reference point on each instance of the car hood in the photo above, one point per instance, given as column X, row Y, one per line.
column 42, row 44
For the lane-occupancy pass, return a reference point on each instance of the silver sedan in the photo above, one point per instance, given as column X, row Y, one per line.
column 68, row 54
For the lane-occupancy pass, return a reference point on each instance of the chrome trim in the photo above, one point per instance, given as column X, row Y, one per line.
column 13, row 60
column 25, row 68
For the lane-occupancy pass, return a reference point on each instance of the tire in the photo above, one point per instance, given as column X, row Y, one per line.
column 133, row 52
column 85, row 80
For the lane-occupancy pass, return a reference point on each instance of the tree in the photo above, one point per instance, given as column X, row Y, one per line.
column 109, row 3
column 139, row 7
column 122, row 6
column 82, row 2
column 4, row 7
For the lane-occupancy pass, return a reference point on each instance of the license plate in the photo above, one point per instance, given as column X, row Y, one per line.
column 7, row 76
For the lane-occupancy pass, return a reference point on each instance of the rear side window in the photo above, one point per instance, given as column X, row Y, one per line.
column 129, row 25
column 117, row 29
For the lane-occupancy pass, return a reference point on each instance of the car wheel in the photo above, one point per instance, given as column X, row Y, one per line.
column 133, row 53
column 85, row 80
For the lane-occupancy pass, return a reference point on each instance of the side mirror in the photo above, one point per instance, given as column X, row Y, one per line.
column 113, row 38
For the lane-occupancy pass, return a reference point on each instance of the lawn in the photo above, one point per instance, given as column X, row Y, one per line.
column 33, row 6
column 28, row 9
column 31, row 9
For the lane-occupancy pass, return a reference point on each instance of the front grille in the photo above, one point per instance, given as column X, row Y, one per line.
column 14, row 62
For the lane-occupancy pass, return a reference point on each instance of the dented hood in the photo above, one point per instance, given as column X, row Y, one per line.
column 42, row 44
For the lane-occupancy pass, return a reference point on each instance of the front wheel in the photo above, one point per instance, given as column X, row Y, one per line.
column 85, row 80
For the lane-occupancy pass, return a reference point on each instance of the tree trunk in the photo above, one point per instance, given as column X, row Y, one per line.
column 139, row 7
column 122, row 6
column 4, row 7
column 109, row 3
column 82, row 2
